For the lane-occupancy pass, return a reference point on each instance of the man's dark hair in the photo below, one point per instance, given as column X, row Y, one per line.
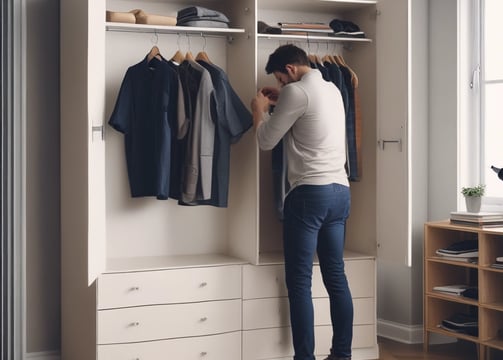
column 284, row 55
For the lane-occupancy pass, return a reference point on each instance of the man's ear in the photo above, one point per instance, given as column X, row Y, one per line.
column 290, row 69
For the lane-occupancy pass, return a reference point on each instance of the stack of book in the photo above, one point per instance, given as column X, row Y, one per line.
column 498, row 264
column 458, row 290
column 461, row 323
column 451, row 289
column 466, row 250
column 480, row 219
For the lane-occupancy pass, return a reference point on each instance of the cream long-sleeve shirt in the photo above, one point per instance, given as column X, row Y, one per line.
column 309, row 114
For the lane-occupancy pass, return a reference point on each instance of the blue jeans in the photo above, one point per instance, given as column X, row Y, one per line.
column 315, row 220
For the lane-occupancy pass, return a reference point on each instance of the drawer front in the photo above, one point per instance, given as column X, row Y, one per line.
column 276, row 342
column 361, row 276
column 274, row 312
column 169, row 286
column 168, row 321
column 213, row 347
column 264, row 281
column 268, row 280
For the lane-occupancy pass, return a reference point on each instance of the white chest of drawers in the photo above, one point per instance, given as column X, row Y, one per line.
column 266, row 321
column 188, row 314
column 224, row 312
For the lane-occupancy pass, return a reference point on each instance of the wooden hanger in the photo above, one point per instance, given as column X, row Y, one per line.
column 328, row 59
column 341, row 59
column 154, row 53
column 189, row 56
column 178, row 57
column 338, row 61
column 341, row 62
column 202, row 56
column 314, row 59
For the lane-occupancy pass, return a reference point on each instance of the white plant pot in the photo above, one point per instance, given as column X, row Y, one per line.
column 473, row 203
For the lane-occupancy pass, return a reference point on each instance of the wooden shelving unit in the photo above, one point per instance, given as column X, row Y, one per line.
column 438, row 271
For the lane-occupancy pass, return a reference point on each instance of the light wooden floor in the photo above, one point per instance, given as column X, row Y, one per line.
column 392, row 350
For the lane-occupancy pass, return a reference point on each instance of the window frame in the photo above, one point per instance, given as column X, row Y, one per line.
column 471, row 96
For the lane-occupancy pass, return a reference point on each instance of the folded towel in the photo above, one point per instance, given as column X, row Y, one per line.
column 156, row 20
column 121, row 17
column 143, row 18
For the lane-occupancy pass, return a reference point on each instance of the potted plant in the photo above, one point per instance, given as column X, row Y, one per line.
column 473, row 197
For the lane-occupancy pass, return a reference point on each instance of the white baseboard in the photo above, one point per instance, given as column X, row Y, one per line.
column 44, row 355
column 408, row 334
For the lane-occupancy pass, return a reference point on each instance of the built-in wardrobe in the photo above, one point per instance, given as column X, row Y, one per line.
column 150, row 279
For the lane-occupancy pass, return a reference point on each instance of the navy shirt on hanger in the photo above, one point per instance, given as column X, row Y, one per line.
column 144, row 114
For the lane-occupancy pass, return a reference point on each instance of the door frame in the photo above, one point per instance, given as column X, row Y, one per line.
column 12, row 181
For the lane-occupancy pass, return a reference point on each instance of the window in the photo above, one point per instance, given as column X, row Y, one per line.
column 480, row 140
column 491, row 97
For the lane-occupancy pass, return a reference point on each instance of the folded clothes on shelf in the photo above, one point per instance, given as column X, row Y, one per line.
column 263, row 28
column 201, row 17
column 346, row 28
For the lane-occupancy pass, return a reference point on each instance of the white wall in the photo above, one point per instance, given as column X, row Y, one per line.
column 434, row 68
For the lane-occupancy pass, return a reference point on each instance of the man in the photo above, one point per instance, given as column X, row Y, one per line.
column 309, row 117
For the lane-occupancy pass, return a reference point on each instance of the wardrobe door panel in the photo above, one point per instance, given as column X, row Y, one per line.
column 393, row 106
column 82, row 145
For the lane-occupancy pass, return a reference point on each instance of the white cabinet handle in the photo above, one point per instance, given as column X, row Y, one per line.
column 203, row 319
column 204, row 353
column 134, row 324
column 203, row 284
column 135, row 288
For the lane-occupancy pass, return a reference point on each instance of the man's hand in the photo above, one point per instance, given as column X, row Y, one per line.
column 259, row 105
column 271, row 93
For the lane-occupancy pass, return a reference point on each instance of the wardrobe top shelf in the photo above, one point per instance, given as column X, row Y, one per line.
column 312, row 38
column 113, row 26
column 295, row 5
